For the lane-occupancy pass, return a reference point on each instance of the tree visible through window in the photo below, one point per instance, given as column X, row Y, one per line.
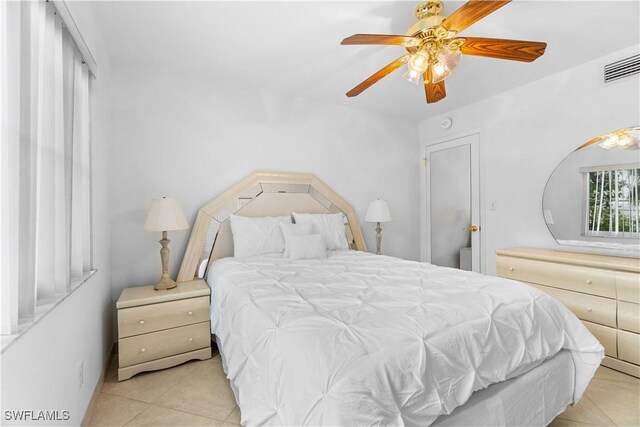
column 613, row 202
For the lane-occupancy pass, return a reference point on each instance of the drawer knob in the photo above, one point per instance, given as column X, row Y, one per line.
column 589, row 309
column 511, row 268
column 190, row 339
column 190, row 313
column 588, row 282
column 142, row 322
column 142, row 350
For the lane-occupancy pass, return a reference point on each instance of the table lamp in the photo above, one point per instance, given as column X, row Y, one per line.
column 378, row 212
column 164, row 215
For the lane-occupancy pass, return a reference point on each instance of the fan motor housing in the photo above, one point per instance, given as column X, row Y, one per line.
column 428, row 15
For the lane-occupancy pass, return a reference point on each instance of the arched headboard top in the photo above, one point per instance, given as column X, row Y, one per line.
column 261, row 194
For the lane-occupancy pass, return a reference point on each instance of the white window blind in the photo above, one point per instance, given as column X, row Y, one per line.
column 45, row 178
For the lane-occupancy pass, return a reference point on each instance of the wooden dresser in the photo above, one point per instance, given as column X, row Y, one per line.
column 160, row 329
column 602, row 291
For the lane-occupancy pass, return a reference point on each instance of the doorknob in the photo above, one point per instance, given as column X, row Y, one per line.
column 472, row 229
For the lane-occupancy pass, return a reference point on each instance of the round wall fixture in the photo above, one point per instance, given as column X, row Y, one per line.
column 446, row 123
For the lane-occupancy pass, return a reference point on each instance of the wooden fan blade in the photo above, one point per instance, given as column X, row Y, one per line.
column 384, row 39
column 378, row 75
column 515, row 50
column 434, row 91
column 470, row 13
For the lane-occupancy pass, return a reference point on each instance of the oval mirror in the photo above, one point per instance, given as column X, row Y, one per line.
column 591, row 198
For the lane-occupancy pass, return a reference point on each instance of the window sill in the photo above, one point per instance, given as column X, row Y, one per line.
column 43, row 308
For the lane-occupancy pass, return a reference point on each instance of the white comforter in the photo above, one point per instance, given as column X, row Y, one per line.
column 360, row 339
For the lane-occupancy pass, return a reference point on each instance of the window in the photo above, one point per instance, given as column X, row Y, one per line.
column 612, row 201
column 45, row 177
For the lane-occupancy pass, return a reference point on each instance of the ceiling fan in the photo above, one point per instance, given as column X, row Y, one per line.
column 434, row 49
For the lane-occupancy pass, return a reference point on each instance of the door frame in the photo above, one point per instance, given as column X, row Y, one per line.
column 425, row 232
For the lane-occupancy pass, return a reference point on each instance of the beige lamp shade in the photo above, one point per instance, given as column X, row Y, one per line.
column 165, row 214
column 378, row 212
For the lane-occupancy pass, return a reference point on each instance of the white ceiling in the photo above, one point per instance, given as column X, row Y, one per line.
column 294, row 47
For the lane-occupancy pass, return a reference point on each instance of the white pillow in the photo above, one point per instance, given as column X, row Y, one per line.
column 257, row 236
column 294, row 230
column 306, row 246
column 329, row 225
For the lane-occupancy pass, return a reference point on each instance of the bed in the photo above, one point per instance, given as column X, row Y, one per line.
column 361, row 339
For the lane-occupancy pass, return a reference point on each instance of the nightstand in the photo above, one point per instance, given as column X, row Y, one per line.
column 161, row 329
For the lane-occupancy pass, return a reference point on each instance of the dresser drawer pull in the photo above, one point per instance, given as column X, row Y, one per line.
column 190, row 313
column 589, row 282
column 190, row 339
column 511, row 268
column 142, row 350
column 142, row 322
column 589, row 309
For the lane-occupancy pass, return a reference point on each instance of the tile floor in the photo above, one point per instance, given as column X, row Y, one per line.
column 198, row 394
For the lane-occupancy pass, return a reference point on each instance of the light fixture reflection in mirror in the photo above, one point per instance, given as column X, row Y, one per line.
column 592, row 198
column 621, row 139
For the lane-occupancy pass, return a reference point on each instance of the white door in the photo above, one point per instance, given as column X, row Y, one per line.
column 452, row 189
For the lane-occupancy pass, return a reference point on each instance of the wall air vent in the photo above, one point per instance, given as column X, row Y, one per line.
column 623, row 68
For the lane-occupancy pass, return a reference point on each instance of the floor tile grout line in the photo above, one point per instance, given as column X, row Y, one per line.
column 629, row 380
column 157, row 398
column 610, row 382
column 560, row 417
column 234, row 408
column 127, row 397
column 177, row 410
column 603, row 413
column 613, row 423
column 186, row 412
column 141, row 412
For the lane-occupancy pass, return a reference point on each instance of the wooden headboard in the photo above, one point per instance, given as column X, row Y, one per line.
column 261, row 194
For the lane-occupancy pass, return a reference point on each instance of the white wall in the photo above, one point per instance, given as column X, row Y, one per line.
column 526, row 132
column 191, row 139
column 39, row 370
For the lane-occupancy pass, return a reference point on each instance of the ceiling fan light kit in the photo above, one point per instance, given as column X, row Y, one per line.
column 434, row 48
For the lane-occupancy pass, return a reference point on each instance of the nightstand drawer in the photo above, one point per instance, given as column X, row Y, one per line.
column 156, row 317
column 585, row 307
column 143, row 348
column 575, row 278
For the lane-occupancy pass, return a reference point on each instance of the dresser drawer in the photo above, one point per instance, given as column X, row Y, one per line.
column 628, row 287
column 585, row 307
column 629, row 347
column 629, row 316
column 143, row 348
column 607, row 337
column 156, row 317
column 575, row 278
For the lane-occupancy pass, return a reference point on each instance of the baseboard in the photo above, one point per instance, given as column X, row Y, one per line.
column 96, row 392
column 622, row 366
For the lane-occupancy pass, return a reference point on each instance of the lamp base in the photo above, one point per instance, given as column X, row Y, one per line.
column 164, row 284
